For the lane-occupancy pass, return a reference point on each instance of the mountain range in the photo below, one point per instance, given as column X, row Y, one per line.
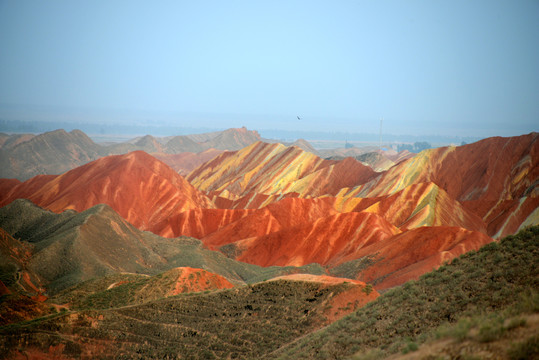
column 233, row 210
column 52, row 153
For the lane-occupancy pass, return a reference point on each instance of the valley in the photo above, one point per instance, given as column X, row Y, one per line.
column 227, row 245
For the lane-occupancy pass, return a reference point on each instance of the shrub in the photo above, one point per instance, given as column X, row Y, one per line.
column 367, row 289
column 410, row 346
column 528, row 349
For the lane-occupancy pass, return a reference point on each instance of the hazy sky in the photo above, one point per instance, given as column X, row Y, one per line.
column 426, row 67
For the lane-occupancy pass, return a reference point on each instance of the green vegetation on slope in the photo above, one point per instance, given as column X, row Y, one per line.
column 482, row 296
column 498, row 276
column 70, row 248
column 244, row 322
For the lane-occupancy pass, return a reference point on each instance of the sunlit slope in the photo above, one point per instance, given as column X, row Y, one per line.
column 182, row 280
column 495, row 178
column 142, row 189
column 277, row 205
column 276, row 169
column 357, row 245
column 425, row 204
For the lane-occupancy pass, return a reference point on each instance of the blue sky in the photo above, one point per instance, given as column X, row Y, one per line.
column 466, row 68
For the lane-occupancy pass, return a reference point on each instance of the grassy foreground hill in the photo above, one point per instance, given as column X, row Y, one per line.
column 479, row 291
column 482, row 296
column 244, row 322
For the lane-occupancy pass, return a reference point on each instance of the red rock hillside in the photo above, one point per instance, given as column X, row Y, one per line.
column 140, row 188
column 276, row 169
column 183, row 280
column 357, row 295
column 495, row 178
column 278, row 205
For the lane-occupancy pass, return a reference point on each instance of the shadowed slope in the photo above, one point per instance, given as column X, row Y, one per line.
column 220, row 227
column 198, row 223
column 21, row 290
column 124, row 289
column 325, row 241
column 285, row 318
column 142, row 189
column 356, row 295
column 230, row 139
column 305, row 146
column 412, row 253
column 23, row 156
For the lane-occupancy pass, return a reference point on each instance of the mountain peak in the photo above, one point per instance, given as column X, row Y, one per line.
column 139, row 187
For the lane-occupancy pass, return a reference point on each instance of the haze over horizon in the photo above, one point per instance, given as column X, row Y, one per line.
column 454, row 68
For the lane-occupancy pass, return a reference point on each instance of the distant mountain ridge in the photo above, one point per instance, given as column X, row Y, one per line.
column 55, row 152
column 50, row 153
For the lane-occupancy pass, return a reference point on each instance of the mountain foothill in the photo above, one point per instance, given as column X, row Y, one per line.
column 226, row 214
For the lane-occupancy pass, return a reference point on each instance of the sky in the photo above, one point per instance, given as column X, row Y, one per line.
column 464, row 68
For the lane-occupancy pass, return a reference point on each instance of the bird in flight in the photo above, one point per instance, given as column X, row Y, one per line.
column 298, row 117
